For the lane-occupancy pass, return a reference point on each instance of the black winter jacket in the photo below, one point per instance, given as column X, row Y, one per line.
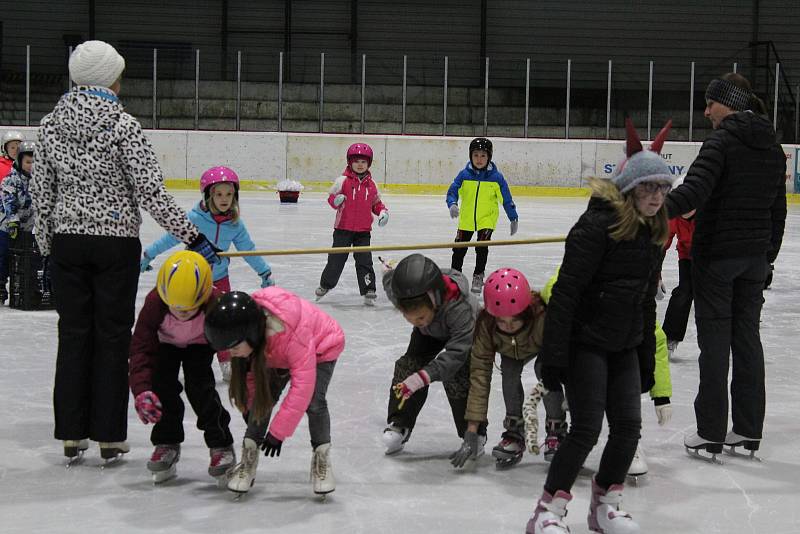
column 605, row 293
column 737, row 185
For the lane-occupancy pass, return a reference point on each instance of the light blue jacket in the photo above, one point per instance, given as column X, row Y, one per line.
column 222, row 235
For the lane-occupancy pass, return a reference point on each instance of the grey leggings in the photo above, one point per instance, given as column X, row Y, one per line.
column 319, row 419
column 514, row 394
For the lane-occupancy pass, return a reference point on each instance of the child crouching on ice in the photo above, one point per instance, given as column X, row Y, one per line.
column 442, row 309
column 275, row 338
column 169, row 334
column 511, row 323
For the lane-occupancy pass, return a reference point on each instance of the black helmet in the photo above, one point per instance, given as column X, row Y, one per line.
column 415, row 275
column 233, row 318
column 480, row 143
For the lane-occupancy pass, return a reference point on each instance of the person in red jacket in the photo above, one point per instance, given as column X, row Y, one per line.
column 680, row 301
column 169, row 334
column 356, row 199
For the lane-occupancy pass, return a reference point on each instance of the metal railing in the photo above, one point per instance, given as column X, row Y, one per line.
column 784, row 98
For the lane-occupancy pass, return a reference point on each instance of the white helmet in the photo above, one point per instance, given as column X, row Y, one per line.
column 11, row 135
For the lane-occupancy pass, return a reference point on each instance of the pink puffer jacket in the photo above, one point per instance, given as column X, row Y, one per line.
column 310, row 336
column 362, row 200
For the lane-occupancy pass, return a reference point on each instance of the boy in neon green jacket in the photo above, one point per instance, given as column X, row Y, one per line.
column 481, row 187
column 660, row 393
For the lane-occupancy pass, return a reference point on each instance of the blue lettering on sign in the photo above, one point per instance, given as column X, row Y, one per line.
column 608, row 168
column 676, row 169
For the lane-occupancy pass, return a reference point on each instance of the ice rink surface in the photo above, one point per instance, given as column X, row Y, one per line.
column 416, row 491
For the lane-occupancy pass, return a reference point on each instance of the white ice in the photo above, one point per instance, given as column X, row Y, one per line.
column 416, row 491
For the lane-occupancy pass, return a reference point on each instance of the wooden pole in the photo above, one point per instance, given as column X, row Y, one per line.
column 380, row 248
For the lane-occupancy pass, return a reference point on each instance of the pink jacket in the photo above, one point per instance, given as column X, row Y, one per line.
column 309, row 336
column 362, row 201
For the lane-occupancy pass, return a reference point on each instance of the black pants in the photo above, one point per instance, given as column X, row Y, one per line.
column 599, row 383
column 680, row 303
column 364, row 271
column 481, row 253
column 96, row 278
column 421, row 350
column 728, row 297
column 212, row 418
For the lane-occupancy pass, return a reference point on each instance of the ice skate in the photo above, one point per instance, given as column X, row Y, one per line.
column 549, row 515
column 395, row 437
column 320, row 292
column 733, row 440
column 477, row 283
column 605, row 515
column 162, row 463
column 638, row 465
column 222, row 460
column 509, row 451
column 556, row 430
column 694, row 444
column 322, row 479
column 672, row 346
column 369, row 298
column 225, row 370
column 111, row 452
column 74, row 449
column 244, row 474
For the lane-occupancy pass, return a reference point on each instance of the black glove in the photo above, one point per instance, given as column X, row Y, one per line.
column 271, row 446
column 552, row 377
column 768, row 281
column 205, row 248
column 468, row 450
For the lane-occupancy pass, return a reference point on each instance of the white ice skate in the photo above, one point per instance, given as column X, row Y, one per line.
column 395, row 437
column 162, row 463
column 733, row 440
column 322, row 479
column 369, row 298
column 672, row 346
column 225, row 369
column 74, row 449
column 222, row 460
column 244, row 474
column 509, row 451
column 549, row 515
column 605, row 515
column 111, row 451
column 320, row 292
column 477, row 283
column 694, row 444
column 638, row 465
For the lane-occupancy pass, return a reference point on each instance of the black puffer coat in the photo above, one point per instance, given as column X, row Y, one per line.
column 605, row 293
column 737, row 185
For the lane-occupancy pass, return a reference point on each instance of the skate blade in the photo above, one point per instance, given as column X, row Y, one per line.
column 635, row 477
column 369, row 302
column 112, row 461
column 730, row 450
column 323, row 496
column 695, row 453
column 160, row 477
column 74, row 460
column 502, row 464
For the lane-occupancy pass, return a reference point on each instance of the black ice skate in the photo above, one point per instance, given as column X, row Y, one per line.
column 74, row 449
column 111, row 452
column 694, row 444
column 509, row 451
column 733, row 440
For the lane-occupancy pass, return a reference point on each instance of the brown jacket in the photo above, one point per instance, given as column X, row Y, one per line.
column 488, row 341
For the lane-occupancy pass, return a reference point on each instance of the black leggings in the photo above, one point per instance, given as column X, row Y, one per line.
column 481, row 253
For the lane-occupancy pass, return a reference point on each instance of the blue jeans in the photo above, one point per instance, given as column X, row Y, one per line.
column 600, row 383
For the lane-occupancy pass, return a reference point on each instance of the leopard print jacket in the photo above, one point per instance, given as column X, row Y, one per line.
column 93, row 169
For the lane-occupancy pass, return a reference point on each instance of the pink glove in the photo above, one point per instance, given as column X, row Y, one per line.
column 413, row 383
column 148, row 406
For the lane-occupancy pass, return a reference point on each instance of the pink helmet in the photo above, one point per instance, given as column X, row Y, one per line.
column 359, row 151
column 506, row 293
column 217, row 175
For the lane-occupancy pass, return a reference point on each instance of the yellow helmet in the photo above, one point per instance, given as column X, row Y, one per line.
column 184, row 281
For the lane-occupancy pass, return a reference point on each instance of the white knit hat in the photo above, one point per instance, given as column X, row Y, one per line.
column 95, row 63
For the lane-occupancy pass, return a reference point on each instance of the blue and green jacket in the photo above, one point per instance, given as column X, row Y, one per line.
column 480, row 192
